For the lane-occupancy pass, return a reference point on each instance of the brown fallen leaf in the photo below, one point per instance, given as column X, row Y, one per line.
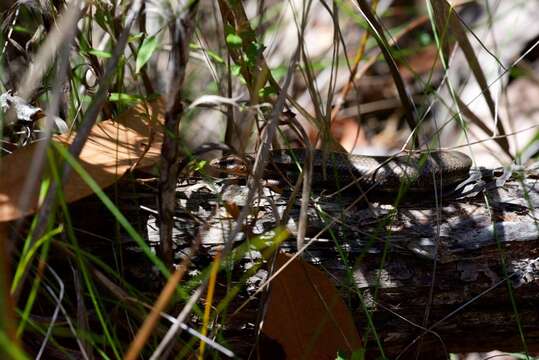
column 233, row 209
column 134, row 138
column 306, row 316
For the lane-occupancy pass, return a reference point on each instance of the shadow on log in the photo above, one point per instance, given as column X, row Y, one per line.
column 457, row 276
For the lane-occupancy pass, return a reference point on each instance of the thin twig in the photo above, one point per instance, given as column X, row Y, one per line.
column 181, row 30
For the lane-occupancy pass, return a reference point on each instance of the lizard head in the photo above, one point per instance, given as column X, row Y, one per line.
column 233, row 165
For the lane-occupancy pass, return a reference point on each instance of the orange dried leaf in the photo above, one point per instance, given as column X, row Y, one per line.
column 306, row 315
column 114, row 146
column 233, row 209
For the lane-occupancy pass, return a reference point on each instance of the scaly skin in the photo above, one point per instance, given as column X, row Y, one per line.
column 386, row 173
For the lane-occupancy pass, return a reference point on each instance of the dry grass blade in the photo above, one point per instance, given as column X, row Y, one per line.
column 234, row 16
column 412, row 26
column 466, row 111
column 378, row 33
column 33, row 174
column 209, row 301
column 82, row 313
column 453, row 313
column 58, row 37
column 305, row 196
column 160, row 351
column 89, row 120
column 244, row 78
column 152, row 319
column 359, row 55
column 262, row 154
column 447, row 21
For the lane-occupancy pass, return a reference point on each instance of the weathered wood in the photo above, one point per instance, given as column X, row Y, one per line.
column 439, row 276
column 486, row 249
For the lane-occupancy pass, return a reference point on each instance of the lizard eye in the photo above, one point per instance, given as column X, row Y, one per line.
column 231, row 163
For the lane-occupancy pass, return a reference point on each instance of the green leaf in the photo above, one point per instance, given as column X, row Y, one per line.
column 84, row 45
column 233, row 40
column 253, row 52
column 100, row 53
column 135, row 37
column 279, row 72
column 425, row 39
column 200, row 165
column 517, row 72
column 21, row 29
column 267, row 91
column 124, row 98
column 148, row 47
column 211, row 54
column 235, row 69
column 11, row 349
column 215, row 57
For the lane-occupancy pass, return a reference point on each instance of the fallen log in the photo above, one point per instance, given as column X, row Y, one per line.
column 436, row 277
